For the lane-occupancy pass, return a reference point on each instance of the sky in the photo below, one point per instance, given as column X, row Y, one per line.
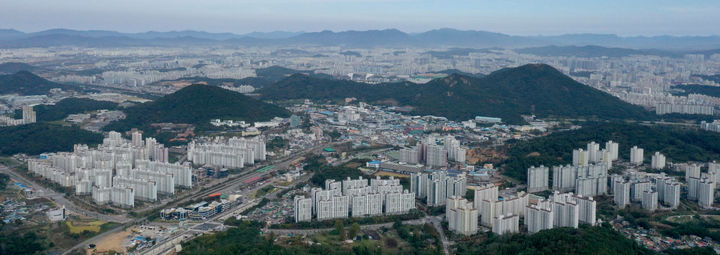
column 515, row 17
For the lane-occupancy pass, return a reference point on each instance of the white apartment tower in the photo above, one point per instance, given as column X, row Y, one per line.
column 538, row 178
column 506, row 224
column 622, row 193
column 706, row 193
column 461, row 216
column 612, row 148
column 539, row 217
column 650, row 200
column 636, row 155
column 587, row 209
column 303, row 208
column 658, row 161
column 580, row 157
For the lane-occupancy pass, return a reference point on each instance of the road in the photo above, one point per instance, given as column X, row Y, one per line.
column 437, row 222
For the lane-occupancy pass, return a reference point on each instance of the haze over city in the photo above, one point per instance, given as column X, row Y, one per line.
column 516, row 17
column 359, row 127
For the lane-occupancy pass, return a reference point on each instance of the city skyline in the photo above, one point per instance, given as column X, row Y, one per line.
column 522, row 17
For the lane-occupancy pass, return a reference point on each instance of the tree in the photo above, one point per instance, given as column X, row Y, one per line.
column 340, row 229
column 354, row 230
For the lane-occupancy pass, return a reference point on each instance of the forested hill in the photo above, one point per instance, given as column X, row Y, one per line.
column 27, row 83
column 508, row 93
column 38, row 138
column 198, row 104
column 677, row 144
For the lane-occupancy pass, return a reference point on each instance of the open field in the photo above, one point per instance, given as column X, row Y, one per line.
column 77, row 227
column 114, row 242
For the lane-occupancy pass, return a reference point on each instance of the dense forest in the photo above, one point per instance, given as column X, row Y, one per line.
column 25, row 244
column 584, row 240
column 38, row 138
column 67, row 106
column 677, row 144
column 322, row 171
column 507, row 93
column 197, row 104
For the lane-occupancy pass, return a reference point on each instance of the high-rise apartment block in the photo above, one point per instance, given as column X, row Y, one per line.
column 636, row 155
column 538, row 178
column 461, row 216
column 657, row 161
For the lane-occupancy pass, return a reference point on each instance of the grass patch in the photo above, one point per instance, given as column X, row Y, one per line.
column 78, row 227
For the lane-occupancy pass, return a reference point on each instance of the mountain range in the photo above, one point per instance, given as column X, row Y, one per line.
column 445, row 37
column 508, row 93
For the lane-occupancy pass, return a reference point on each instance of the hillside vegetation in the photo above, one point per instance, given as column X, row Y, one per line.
column 508, row 93
column 584, row 240
column 37, row 138
column 67, row 106
column 198, row 104
column 677, row 144
column 27, row 83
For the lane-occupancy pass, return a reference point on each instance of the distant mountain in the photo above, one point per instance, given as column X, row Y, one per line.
column 591, row 51
column 469, row 38
column 530, row 89
column 198, row 104
column 14, row 67
column 456, row 52
column 26, row 83
column 438, row 38
column 370, row 38
column 273, row 35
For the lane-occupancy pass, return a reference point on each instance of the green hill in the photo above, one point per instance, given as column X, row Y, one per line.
column 713, row 91
column 26, row 83
column 14, row 67
column 38, row 138
column 530, row 89
column 277, row 73
column 677, row 144
column 198, row 104
column 67, row 106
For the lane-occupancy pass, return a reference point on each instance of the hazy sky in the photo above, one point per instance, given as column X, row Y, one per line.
column 520, row 17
